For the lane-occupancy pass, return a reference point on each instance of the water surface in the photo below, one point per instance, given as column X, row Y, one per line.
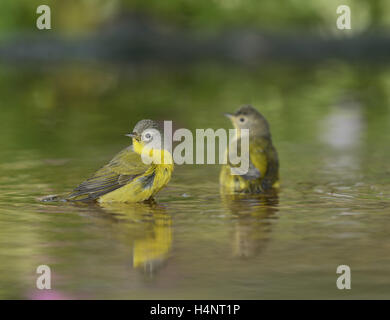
column 330, row 124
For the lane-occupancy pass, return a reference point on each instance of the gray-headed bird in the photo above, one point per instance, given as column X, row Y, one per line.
column 127, row 177
column 263, row 171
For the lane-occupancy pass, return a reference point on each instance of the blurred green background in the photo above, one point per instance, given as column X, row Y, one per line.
column 80, row 16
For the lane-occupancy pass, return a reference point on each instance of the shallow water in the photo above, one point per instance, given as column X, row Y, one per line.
column 330, row 124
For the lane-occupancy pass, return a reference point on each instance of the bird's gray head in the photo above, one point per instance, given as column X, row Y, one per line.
column 143, row 125
column 146, row 131
column 247, row 117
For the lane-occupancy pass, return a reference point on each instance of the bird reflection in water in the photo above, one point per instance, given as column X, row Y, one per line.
column 253, row 215
column 149, row 227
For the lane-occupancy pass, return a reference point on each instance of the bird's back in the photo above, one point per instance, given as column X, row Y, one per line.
column 263, row 171
column 124, row 179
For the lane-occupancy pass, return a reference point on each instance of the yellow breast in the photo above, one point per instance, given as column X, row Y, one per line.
column 144, row 186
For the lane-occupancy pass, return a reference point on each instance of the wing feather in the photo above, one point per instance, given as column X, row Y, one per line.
column 121, row 170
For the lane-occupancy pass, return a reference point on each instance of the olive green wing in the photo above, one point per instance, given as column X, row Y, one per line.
column 264, row 157
column 122, row 169
column 255, row 158
column 258, row 157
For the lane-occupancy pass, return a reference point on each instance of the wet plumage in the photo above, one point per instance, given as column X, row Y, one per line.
column 263, row 172
column 126, row 178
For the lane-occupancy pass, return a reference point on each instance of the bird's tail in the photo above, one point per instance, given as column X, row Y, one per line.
column 52, row 198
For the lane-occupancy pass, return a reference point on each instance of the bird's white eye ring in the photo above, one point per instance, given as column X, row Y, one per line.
column 242, row 119
column 147, row 136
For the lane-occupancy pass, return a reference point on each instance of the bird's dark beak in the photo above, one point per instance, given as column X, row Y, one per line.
column 228, row 115
column 132, row 135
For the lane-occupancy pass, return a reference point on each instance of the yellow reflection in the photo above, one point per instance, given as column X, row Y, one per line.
column 151, row 228
column 253, row 225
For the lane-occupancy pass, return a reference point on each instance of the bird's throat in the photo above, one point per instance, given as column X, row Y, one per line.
column 138, row 147
column 158, row 156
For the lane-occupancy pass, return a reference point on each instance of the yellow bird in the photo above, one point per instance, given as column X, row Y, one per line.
column 263, row 171
column 127, row 178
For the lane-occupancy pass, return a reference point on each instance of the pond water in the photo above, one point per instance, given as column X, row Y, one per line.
column 330, row 124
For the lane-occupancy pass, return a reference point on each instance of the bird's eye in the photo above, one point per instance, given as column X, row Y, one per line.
column 242, row 119
column 148, row 136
